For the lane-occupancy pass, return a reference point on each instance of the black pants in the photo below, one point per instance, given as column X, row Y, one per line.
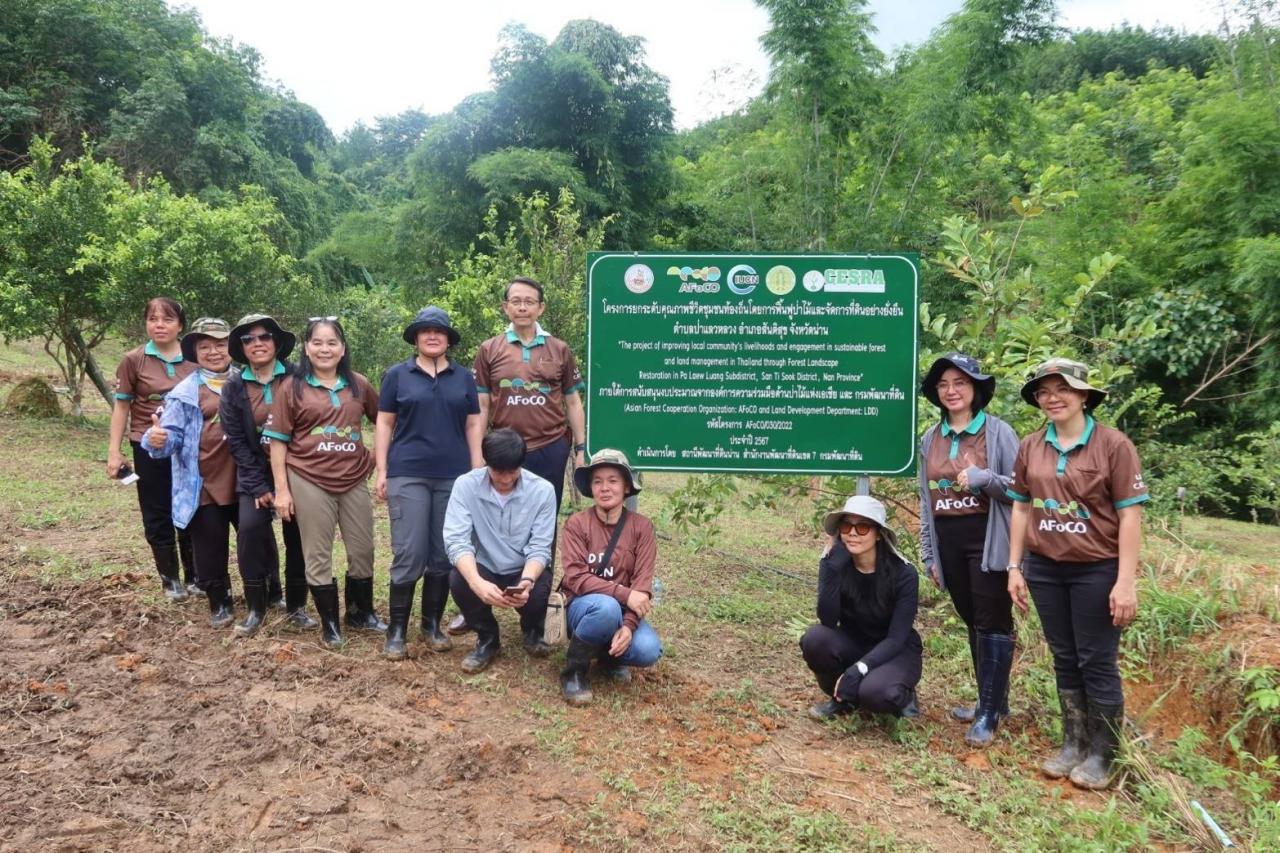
column 210, row 530
column 981, row 598
column 888, row 688
column 480, row 615
column 256, row 550
column 1073, row 600
column 155, row 500
column 549, row 463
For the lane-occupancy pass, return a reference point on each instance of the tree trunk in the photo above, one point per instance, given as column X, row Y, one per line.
column 88, row 364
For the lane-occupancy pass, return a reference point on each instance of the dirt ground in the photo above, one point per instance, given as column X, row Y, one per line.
column 128, row 724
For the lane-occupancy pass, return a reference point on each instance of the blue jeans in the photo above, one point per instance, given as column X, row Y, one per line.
column 596, row 617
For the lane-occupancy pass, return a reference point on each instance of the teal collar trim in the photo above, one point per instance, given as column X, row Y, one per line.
column 150, row 349
column 539, row 338
column 974, row 427
column 1051, row 438
column 333, row 392
column 249, row 376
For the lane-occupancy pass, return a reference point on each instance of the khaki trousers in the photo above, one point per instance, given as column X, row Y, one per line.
column 320, row 513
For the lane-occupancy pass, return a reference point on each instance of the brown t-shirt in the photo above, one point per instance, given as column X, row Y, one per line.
column 949, row 454
column 217, row 467
column 527, row 385
column 1076, row 495
column 143, row 378
column 324, row 430
column 582, row 544
column 261, row 397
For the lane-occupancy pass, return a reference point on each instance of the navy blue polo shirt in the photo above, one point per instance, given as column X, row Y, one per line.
column 430, row 439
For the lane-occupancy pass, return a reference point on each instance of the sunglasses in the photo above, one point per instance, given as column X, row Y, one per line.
column 262, row 336
column 330, row 319
column 862, row 528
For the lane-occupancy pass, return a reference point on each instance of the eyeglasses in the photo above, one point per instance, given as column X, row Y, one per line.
column 959, row 385
column 1045, row 393
column 862, row 528
column 523, row 303
column 261, row 336
column 331, row 318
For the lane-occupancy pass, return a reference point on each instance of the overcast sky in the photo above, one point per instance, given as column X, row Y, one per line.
column 357, row 61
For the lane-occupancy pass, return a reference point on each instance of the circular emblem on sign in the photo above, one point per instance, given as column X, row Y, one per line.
column 814, row 281
column 780, row 280
column 638, row 278
column 743, row 279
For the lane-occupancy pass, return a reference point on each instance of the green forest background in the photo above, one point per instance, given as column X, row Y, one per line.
column 1111, row 196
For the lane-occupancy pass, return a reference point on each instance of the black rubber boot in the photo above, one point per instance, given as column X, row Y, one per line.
column 255, row 598
column 534, row 644
column 359, row 595
column 295, row 604
column 612, row 668
column 435, row 595
column 326, row 599
column 1097, row 771
column 187, row 556
column 830, row 708
column 221, row 613
column 166, row 557
column 275, row 595
column 401, row 597
column 995, row 658
column 966, row 713
column 487, row 647
column 1074, row 736
column 575, row 683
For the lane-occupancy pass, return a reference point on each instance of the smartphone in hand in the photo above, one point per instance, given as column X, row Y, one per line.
column 125, row 476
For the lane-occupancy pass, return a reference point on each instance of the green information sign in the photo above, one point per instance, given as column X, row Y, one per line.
column 754, row 363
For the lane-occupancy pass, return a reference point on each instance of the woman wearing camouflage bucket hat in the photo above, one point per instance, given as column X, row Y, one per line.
column 1074, row 540
column 428, row 434
column 608, row 554
column 864, row 651
column 260, row 344
column 204, row 474
column 965, row 463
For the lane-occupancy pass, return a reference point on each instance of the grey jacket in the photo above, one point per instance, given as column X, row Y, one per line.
column 1002, row 449
column 501, row 538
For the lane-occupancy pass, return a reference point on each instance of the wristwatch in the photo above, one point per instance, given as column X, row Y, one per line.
column 578, row 448
column 862, row 667
column 1013, row 566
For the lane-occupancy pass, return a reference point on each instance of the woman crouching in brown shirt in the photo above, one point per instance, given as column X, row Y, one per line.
column 608, row 554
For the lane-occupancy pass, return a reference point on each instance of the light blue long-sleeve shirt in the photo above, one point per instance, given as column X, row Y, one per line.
column 500, row 538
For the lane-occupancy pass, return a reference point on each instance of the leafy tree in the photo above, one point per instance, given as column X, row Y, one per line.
column 81, row 250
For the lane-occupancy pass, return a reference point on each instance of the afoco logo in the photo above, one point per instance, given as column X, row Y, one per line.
column 710, row 276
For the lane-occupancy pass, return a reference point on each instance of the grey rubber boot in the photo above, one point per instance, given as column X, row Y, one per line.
column 1074, row 734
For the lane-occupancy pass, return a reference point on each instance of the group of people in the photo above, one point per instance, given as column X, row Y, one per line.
column 228, row 433
column 1054, row 519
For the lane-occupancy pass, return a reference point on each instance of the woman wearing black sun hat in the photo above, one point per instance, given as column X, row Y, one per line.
column 261, row 346
column 966, row 460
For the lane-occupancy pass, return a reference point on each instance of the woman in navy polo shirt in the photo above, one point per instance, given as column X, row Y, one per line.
column 1073, row 543
column 428, row 432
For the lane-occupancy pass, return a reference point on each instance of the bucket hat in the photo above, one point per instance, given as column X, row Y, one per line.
column 1074, row 373
column 285, row 341
column 870, row 509
column 984, row 384
column 431, row 317
column 205, row 327
column 606, row 456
